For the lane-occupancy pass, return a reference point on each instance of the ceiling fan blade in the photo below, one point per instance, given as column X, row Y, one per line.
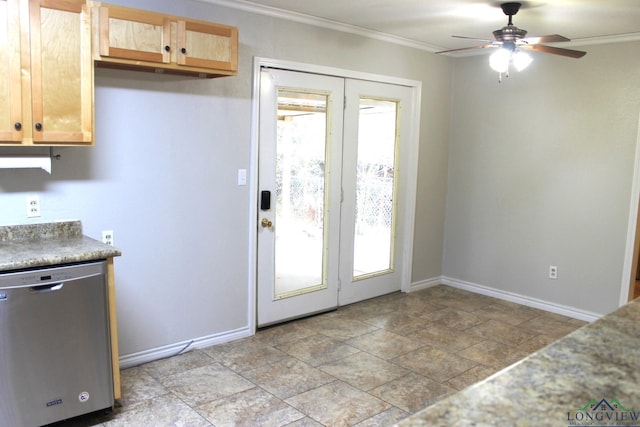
column 472, row 38
column 555, row 50
column 468, row 48
column 552, row 38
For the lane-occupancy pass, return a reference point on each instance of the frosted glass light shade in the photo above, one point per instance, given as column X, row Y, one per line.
column 521, row 60
column 499, row 60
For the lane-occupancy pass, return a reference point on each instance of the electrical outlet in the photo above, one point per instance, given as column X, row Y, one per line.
column 553, row 272
column 33, row 206
column 107, row 237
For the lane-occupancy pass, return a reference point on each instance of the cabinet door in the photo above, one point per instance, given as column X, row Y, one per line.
column 206, row 45
column 134, row 34
column 61, row 72
column 10, row 83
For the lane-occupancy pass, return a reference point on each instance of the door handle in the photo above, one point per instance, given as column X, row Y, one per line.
column 266, row 223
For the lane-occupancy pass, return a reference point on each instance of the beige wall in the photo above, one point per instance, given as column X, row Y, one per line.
column 540, row 174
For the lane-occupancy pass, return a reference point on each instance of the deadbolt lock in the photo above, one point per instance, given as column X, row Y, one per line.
column 266, row 223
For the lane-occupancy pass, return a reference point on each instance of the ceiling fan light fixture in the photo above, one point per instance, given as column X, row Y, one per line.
column 521, row 60
column 511, row 38
column 499, row 60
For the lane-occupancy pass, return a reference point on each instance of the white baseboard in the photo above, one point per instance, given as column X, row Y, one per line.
column 552, row 307
column 424, row 284
column 134, row 359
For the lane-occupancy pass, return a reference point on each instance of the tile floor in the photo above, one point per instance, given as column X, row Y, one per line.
column 367, row 364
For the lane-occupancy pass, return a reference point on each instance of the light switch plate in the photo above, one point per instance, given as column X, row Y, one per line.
column 242, row 177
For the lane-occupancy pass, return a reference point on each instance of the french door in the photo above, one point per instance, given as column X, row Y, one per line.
column 332, row 194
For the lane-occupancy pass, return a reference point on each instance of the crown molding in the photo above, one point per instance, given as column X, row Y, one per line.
column 275, row 12
column 248, row 6
column 613, row 38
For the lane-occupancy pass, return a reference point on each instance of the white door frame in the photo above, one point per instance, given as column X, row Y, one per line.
column 411, row 168
column 631, row 249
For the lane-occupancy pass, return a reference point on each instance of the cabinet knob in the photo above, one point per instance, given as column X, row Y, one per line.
column 38, row 126
column 167, row 48
column 183, row 50
column 18, row 126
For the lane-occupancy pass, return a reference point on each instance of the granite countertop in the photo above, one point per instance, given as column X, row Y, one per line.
column 590, row 377
column 40, row 245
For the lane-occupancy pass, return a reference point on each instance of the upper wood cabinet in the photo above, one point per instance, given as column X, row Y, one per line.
column 10, row 82
column 136, row 39
column 46, row 69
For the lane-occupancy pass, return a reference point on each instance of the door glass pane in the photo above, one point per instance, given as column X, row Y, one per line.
column 300, row 192
column 375, row 188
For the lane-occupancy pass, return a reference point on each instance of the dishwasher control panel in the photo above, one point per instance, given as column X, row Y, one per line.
column 49, row 275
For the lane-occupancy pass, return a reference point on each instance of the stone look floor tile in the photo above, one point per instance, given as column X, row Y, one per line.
column 551, row 325
column 254, row 407
column 398, row 323
column 244, row 354
column 412, row 305
column 445, row 338
column 177, row 364
column 435, row 364
column 439, row 291
column 502, row 332
column 402, row 351
column 577, row 322
column 366, row 310
column 384, row 344
column 318, row 349
column 493, row 354
column 509, row 312
column 454, row 319
column 412, row 392
column 288, row 377
column 340, row 328
column 364, row 371
column 164, row 410
column 137, row 385
column 338, row 404
column 280, row 334
column 205, row 384
column 466, row 302
column 472, row 376
column 305, row 422
column 555, row 316
column 386, row 418
column 535, row 343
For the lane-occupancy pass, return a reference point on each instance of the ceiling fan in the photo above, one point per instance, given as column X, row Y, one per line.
column 512, row 40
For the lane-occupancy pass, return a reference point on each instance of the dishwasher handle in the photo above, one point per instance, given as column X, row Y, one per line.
column 51, row 287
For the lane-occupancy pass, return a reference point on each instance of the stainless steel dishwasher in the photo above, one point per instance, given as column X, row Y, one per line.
column 55, row 356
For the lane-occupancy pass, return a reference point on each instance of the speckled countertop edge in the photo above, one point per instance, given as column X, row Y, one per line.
column 47, row 244
column 601, row 360
column 48, row 230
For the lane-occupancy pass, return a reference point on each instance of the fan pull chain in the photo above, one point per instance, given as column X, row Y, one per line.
column 506, row 75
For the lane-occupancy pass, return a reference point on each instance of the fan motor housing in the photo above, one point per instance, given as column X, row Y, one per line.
column 509, row 33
